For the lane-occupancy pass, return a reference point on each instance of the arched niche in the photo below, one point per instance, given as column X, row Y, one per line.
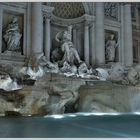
column 69, row 13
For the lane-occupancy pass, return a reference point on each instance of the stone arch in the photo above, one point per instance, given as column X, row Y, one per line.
column 86, row 8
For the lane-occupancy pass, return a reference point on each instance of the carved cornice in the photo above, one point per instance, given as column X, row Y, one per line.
column 89, row 17
column 124, row 3
column 47, row 9
column 76, row 26
column 89, row 20
column 22, row 5
column 112, row 23
column 88, row 23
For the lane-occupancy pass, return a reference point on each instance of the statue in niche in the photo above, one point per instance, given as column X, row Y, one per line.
column 69, row 53
column 110, row 47
column 12, row 36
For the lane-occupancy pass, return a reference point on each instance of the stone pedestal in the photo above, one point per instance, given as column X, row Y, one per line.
column 12, row 53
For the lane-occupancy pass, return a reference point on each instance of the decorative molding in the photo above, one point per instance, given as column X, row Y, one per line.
column 87, row 23
column 22, row 5
column 63, row 22
column 17, row 58
column 86, row 8
column 47, row 9
column 112, row 23
column 89, row 20
column 77, row 26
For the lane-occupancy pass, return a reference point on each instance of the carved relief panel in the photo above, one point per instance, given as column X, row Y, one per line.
column 111, row 10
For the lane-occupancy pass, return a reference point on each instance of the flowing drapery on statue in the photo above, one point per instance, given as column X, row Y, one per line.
column 12, row 36
column 110, row 48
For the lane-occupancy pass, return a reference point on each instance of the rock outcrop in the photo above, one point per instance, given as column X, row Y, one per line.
column 109, row 97
column 51, row 94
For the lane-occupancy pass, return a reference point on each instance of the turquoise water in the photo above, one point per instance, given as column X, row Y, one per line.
column 71, row 126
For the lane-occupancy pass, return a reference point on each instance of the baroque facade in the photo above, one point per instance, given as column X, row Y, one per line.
column 55, row 57
column 92, row 25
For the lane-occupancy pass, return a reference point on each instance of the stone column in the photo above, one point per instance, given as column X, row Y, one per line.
column 1, row 14
column 36, row 27
column 47, row 36
column 99, row 34
column 92, row 44
column 74, row 37
column 128, row 50
column 86, row 43
column 121, row 50
column 28, row 41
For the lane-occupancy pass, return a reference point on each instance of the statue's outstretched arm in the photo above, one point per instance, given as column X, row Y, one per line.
column 57, row 37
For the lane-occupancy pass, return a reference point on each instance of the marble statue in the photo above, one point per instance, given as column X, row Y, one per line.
column 110, row 47
column 32, row 69
column 117, row 74
column 82, row 68
column 47, row 65
column 38, row 65
column 70, row 54
column 12, row 35
column 133, row 76
column 102, row 73
column 68, row 68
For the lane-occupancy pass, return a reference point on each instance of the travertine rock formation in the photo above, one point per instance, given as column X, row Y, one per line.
column 109, row 97
column 51, row 94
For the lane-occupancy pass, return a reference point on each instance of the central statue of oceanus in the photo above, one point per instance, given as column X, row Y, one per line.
column 69, row 53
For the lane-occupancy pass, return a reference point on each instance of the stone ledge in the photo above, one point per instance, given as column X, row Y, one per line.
column 15, row 58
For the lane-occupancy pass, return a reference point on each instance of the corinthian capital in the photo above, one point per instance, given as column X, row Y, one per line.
column 47, row 15
column 87, row 23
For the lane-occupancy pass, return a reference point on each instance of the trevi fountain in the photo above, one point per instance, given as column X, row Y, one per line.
column 71, row 58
